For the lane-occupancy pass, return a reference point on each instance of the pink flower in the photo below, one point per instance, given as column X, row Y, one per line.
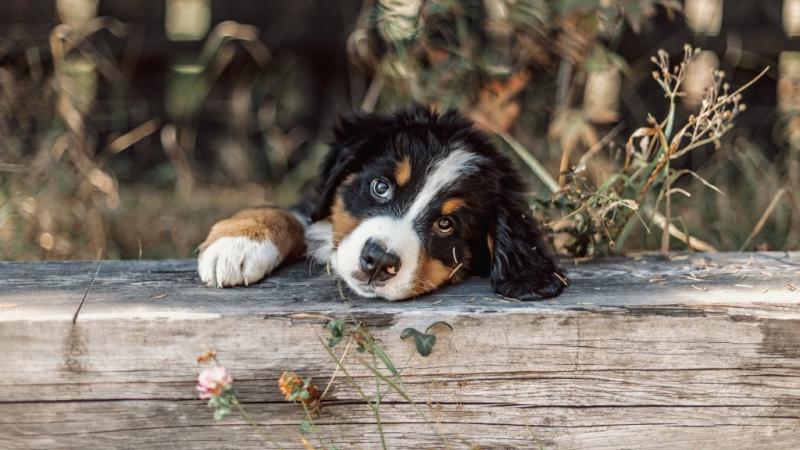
column 213, row 381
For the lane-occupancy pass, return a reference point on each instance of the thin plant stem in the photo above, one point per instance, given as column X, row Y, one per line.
column 253, row 424
column 536, row 167
column 346, row 373
column 670, row 115
column 335, row 372
column 763, row 220
column 406, row 397
column 667, row 209
column 378, row 406
column 313, row 425
column 340, row 365
column 667, row 155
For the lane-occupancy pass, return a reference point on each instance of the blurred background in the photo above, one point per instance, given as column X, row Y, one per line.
column 127, row 128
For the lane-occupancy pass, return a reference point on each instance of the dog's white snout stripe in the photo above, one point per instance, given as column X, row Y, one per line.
column 444, row 174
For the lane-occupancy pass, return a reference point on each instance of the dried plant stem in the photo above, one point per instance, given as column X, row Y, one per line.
column 667, row 209
column 660, row 221
column 563, row 168
column 599, row 145
column 353, row 383
column 551, row 183
column 406, row 397
column 536, row 167
column 378, row 406
column 132, row 137
column 336, row 371
column 763, row 220
column 668, row 153
column 373, row 94
column 662, row 163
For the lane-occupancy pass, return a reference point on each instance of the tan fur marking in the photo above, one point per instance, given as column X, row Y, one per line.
column 343, row 222
column 279, row 227
column 452, row 205
column 433, row 273
column 402, row 173
column 490, row 244
column 350, row 179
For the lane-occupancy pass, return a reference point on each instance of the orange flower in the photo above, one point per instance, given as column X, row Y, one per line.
column 205, row 357
column 295, row 389
column 289, row 383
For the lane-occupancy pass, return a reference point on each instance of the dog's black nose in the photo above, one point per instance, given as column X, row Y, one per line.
column 377, row 262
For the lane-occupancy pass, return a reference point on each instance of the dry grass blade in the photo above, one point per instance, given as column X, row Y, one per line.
column 660, row 221
column 132, row 137
column 533, row 163
column 763, row 220
column 598, row 146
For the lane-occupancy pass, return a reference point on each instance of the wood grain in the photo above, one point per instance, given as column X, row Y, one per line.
column 700, row 351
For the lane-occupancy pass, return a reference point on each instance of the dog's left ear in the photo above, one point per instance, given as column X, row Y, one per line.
column 520, row 265
column 341, row 161
column 353, row 139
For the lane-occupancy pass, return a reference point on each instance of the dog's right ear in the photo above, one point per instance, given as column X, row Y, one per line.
column 354, row 138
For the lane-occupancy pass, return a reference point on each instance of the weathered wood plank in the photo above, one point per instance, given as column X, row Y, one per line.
column 702, row 351
column 164, row 424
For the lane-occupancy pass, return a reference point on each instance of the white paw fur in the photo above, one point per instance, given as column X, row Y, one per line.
column 235, row 261
column 319, row 241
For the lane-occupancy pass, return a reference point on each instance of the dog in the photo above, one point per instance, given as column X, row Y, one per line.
column 406, row 203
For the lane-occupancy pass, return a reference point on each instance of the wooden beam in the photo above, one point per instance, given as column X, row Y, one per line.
column 699, row 351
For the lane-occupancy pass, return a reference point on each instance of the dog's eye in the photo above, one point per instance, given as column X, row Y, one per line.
column 444, row 226
column 381, row 189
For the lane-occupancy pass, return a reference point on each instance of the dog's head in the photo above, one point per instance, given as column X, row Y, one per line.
column 416, row 200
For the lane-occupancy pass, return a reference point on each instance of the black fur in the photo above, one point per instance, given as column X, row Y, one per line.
column 366, row 145
column 521, row 267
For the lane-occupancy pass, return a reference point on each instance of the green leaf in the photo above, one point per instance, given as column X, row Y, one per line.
column 305, row 426
column 336, row 328
column 424, row 342
column 220, row 413
column 408, row 332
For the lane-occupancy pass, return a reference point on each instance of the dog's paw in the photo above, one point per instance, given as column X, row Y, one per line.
column 236, row 261
column 541, row 285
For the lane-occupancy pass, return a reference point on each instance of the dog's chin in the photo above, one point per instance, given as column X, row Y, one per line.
column 359, row 287
column 387, row 291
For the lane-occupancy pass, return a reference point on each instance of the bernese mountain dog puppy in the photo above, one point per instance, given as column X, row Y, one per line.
column 405, row 203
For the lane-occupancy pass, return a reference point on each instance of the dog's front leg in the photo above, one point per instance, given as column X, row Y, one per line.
column 247, row 246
